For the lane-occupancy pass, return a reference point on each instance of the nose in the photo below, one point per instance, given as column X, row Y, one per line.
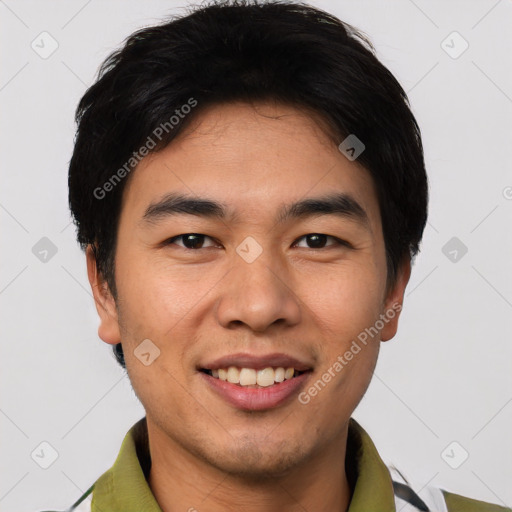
column 258, row 295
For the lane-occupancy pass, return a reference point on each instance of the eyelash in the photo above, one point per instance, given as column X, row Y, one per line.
column 339, row 242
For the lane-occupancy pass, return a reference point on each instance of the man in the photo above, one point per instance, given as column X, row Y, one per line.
column 249, row 186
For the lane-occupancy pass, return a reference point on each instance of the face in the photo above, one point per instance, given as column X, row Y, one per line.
column 240, row 278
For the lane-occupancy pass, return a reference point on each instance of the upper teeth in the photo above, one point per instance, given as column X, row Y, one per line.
column 251, row 377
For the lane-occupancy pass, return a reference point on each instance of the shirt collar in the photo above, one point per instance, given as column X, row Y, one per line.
column 124, row 488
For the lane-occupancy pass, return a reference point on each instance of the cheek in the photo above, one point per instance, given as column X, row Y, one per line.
column 166, row 305
column 345, row 311
column 346, row 302
column 155, row 295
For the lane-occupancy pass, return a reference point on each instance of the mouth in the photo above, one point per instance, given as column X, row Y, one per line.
column 255, row 383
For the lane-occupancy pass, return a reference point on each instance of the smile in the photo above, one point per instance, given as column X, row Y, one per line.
column 252, row 378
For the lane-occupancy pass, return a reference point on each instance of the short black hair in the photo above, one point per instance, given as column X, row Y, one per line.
column 242, row 50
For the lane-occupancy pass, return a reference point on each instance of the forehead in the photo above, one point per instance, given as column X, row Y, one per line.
column 253, row 158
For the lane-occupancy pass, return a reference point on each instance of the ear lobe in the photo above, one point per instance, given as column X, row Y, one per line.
column 108, row 329
column 394, row 300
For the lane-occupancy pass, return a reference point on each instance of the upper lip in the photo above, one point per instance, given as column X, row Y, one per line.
column 245, row 360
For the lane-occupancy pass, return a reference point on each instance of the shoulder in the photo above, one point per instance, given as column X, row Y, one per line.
column 431, row 498
column 457, row 503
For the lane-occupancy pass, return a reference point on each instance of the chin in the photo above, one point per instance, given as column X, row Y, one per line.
column 259, row 462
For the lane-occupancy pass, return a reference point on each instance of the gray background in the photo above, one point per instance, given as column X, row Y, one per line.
column 446, row 376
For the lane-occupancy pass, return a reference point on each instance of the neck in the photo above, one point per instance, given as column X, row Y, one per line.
column 182, row 481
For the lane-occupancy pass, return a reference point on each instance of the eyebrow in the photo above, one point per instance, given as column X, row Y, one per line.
column 339, row 204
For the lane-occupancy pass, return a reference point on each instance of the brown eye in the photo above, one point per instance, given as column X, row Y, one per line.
column 190, row 240
column 318, row 240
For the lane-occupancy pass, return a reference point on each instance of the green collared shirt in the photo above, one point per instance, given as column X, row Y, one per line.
column 124, row 487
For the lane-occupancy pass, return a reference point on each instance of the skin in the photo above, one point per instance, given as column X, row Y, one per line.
column 201, row 304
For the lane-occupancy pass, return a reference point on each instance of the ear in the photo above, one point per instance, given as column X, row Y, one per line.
column 108, row 329
column 394, row 300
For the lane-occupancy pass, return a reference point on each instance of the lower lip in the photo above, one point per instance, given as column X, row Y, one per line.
column 256, row 399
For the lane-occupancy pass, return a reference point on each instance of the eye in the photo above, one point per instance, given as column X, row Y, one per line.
column 190, row 240
column 318, row 241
